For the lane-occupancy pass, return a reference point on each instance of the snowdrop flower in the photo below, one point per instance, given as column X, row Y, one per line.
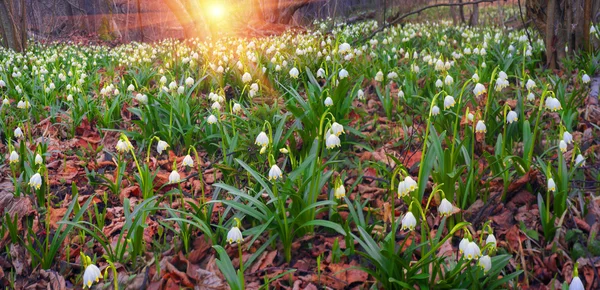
column 321, row 73
column 551, row 184
column 163, row 80
column 123, row 146
column 553, row 104
column 567, row 137
column 344, row 48
column 246, row 78
column 585, row 78
column 130, row 88
column 188, row 161
column 580, row 160
column 511, row 117
column 343, row 74
column 337, row 129
column 275, row 172
column 180, row 90
column 2, row 83
column 470, row 117
column 485, row 262
column 562, row 145
column 142, row 99
column 216, row 106
column 360, row 94
column 234, row 235
column 92, row 274
column 161, row 145
column 472, row 251
column 411, row 184
column 449, row 80
column 333, row 141
column 409, row 221
column 5, row 102
column 439, row 65
column 479, row 90
column 23, row 104
column 328, row 102
column 462, row 246
column 211, row 119
column 38, row 159
column 236, row 108
column 36, row 181
column 339, row 191
column 439, row 83
column 400, row 94
column 449, row 102
column 491, row 239
column 435, row 111
column 294, row 73
column 174, row 177
column 501, row 83
column 18, row 133
column 189, row 81
column 475, row 77
column 445, row 208
column 262, row 139
column 530, row 97
column 480, row 127
column 530, row 84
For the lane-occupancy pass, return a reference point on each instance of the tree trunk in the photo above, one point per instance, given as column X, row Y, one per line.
column 191, row 27
column 12, row 27
column 453, row 13
column 461, row 11
column 474, row 20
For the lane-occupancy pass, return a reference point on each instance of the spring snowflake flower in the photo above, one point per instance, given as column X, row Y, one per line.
column 551, row 184
column 400, row 94
column 501, row 83
column 333, row 141
column 479, row 90
column 530, row 97
column 141, row 98
column 294, row 73
column 511, row 117
column 439, row 83
column 18, row 133
column 462, row 246
column 409, row 221
column 234, row 235
column 435, row 111
column 262, row 139
column 580, row 160
column 2, row 84
column 485, row 262
column 406, row 186
column 36, row 181
column 23, row 104
column 328, row 102
column 344, row 48
column 163, row 80
column 567, row 137
column 553, row 104
column 337, row 129
column 449, row 102
column 130, row 88
column 189, row 81
column 211, row 119
column 475, row 77
column 480, row 127
column 188, row 161
column 343, row 74
column 470, row 117
column 5, row 102
column 161, row 146
column 585, row 78
column 246, row 78
column 576, row 284
column 445, row 208
column 360, row 94
column 321, row 73
column 472, row 251
column 491, row 240
column 339, row 191
column 123, row 145
column 562, row 145
column 38, row 159
column 530, row 84
column 275, row 172
column 92, row 274
column 379, row 76
column 174, row 177
column 439, row 65
column 449, row 80
column 237, row 108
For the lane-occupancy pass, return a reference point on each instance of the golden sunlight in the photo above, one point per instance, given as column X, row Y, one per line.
column 216, row 11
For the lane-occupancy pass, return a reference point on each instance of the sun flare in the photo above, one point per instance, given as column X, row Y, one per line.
column 216, row 11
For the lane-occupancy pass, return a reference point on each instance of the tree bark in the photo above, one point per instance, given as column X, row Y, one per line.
column 453, row 13
column 474, row 20
column 13, row 32
column 587, row 20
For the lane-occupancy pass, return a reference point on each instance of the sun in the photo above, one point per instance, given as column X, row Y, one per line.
column 216, row 11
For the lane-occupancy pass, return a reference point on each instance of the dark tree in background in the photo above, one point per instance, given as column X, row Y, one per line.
column 13, row 24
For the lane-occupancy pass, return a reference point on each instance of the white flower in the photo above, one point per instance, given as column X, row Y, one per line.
column 409, row 221
column 328, row 102
column 379, row 76
column 491, row 239
column 511, row 117
column 402, row 192
column 360, row 94
column 530, row 84
column 262, row 139
column 462, row 246
column 439, row 83
column 435, row 110
column 344, row 48
column 163, row 80
column 123, row 146
column 567, row 137
column 343, row 74
column 333, row 141
column 234, row 235
column 585, row 78
column 339, row 191
column 36, row 181
column 92, row 274
column 449, row 80
column 18, row 133
column 576, row 284
column 470, row 117
column 161, row 145
column 475, row 77
column 530, row 97
column 501, row 83
column 485, row 262
column 445, row 208
column 189, row 81
column 562, row 145
column 23, row 104
column 174, row 177
column 449, row 102
column 472, row 251
column 180, row 90
column 211, row 119
column 479, row 90
column 283, row 150
column 130, row 88
column 142, row 99
column 400, row 94
column 411, row 184
column 551, row 185
column 337, row 129
column 5, row 102
column 580, row 160
column 275, row 172
column 246, row 78
column 480, row 127
column 237, row 108
column 188, row 161
column 294, row 73
column 321, row 73
column 553, row 104
column 38, row 159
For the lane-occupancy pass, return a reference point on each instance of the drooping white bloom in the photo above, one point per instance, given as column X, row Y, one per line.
column 246, row 78
column 511, row 117
column 18, row 133
column 379, row 76
column 38, row 159
column 333, row 141
column 480, row 127
column 339, row 191
column 123, row 146
column 234, row 235
column 163, row 80
column 491, row 239
column 23, row 104
column 211, row 119
column 92, row 274
column 294, row 73
column 485, row 262
column 328, row 102
column 435, row 111
column 530, row 97
column 360, row 94
column 562, row 145
column 475, row 77
column 449, row 80
column 585, row 79
column 551, row 184
column 462, row 246
column 5, row 102
column 343, row 74
column 130, row 88
column 553, row 104
column 470, row 117
column 275, row 172
column 337, row 129
column 344, row 48
column 141, row 98
column 189, row 81
column 174, row 177
column 262, row 139
column 472, row 251
column 501, row 83
column 411, row 184
column 580, row 160
column 576, row 284
column 216, row 106
column 188, row 161
column 237, row 108
column 479, row 90
column 400, row 94
column 439, row 83
column 530, row 84
column 161, row 145
column 445, row 208
column 321, row 73
column 567, row 137
column 36, row 181
column 409, row 221
column 449, row 102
